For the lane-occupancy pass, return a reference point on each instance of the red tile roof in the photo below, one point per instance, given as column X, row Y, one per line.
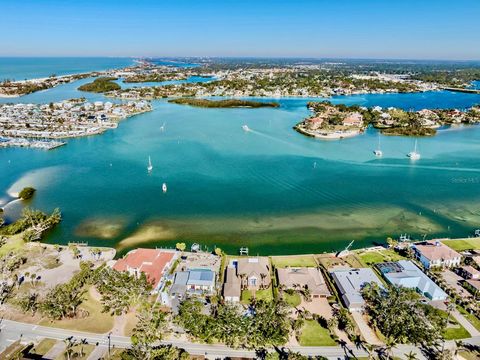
column 152, row 262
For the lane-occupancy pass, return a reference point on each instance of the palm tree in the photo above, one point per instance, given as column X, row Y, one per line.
column 242, row 280
column 262, row 276
column 390, row 343
column 411, row 356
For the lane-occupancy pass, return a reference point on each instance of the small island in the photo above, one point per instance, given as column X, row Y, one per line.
column 228, row 103
column 101, row 85
column 26, row 193
column 331, row 121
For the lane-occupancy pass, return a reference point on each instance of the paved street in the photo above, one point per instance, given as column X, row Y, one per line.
column 12, row 331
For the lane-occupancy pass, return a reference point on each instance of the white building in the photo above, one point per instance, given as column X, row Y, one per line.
column 433, row 253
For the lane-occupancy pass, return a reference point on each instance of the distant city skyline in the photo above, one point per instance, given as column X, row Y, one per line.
column 369, row 29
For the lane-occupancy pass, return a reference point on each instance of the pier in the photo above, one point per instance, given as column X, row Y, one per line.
column 469, row 91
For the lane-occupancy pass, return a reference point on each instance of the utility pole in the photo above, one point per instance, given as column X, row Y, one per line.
column 109, row 339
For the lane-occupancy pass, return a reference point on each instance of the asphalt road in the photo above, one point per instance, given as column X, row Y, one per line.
column 11, row 331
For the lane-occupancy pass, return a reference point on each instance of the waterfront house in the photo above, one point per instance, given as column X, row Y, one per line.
column 231, row 287
column 350, row 283
column 198, row 281
column 353, row 119
column 254, row 272
column 305, row 278
column 405, row 273
column 434, row 253
column 152, row 262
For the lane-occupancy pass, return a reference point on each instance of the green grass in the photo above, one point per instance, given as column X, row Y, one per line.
column 293, row 300
column 468, row 355
column 14, row 243
column 95, row 322
column 87, row 350
column 265, row 294
column 294, row 261
column 475, row 321
column 43, row 347
column 375, row 257
column 315, row 335
column 463, row 244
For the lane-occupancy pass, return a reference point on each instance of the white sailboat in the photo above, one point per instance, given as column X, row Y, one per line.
column 149, row 167
column 377, row 151
column 414, row 155
column 164, row 187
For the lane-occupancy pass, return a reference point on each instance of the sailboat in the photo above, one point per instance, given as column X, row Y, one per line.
column 378, row 152
column 164, row 187
column 414, row 155
column 149, row 167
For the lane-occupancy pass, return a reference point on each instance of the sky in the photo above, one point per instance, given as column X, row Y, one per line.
column 398, row 29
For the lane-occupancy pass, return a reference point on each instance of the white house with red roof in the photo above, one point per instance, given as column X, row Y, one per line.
column 153, row 263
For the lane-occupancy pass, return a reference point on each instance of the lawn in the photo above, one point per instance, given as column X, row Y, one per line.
column 375, row 257
column 14, row 243
column 293, row 300
column 329, row 261
column 265, row 294
column 95, row 322
column 463, row 244
column 455, row 331
column 43, row 347
column 470, row 317
column 87, row 349
column 315, row 335
column 294, row 261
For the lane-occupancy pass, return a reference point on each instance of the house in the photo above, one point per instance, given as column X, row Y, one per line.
column 254, row 272
column 306, row 278
column 231, row 287
column 433, row 253
column 405, row 273
column 152, row 262
column 469, row 272
column 350, row 283
column 198, row 281
column 353, row 119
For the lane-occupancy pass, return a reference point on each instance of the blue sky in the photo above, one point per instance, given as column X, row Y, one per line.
column 407, row 29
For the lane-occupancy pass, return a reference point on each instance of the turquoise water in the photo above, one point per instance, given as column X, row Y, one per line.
column 270, row 189
column 15, row 68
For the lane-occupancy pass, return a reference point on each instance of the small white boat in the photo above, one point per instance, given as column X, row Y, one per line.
column 162, row 128
column 378, row 152
column 245, row 128
column 149, row 167
column 164, row 187
column 414, row 155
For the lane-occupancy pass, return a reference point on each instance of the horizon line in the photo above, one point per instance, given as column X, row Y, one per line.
column 239, row 57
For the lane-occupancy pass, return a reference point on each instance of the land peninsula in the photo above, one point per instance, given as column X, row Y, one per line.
column 32, row 125
column 227, row 103
column 330, row 121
